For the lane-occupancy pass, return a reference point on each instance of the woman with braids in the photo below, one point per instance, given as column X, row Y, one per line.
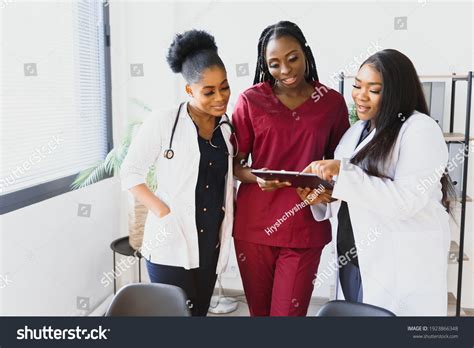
column 286, row 120
column 390, row 219
column 188, row 230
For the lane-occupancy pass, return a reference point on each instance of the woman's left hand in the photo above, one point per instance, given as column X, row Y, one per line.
column 325, row 169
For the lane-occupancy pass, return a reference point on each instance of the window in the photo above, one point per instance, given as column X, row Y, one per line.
column 55, row 115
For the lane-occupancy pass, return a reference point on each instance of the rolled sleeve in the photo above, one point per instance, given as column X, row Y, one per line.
column 321, row 211
column 142, row 153
column 130, row 179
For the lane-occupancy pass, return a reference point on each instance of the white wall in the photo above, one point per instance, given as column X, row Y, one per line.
column 50, row 256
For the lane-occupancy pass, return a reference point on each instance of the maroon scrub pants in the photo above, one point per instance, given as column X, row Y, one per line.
column 277, row 281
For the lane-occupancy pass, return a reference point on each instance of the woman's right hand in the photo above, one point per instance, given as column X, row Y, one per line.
column 143, row 195
column 271, row 185
column 315, row 196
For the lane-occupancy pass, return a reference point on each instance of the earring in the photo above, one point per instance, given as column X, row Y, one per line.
column 306, row 73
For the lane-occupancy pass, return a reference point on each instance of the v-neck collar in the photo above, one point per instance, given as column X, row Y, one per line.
column 272, row 92
column 368, row 137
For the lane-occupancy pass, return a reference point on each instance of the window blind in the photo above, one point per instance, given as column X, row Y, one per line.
column 53, row 119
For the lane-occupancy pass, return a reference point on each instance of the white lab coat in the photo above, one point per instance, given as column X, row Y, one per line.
column 173, row 239
column 400, row 227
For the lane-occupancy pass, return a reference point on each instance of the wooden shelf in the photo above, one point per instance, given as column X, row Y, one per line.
column 469, row 312
column 468, row 199
column 458, row 199
column 452, row 306
column 454, row 253
column 455, row 137
column 427, row 76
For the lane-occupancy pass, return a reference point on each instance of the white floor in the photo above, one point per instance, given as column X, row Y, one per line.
column 243, row 310
column 316, row 303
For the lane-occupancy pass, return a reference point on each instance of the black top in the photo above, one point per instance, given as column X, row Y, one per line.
column 345, row 236
column 210, row 188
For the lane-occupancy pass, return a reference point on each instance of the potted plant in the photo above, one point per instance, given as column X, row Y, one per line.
column 353, row 118
column 110, row 166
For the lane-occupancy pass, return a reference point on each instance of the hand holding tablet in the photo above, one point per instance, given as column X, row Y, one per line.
column 296, row 179
column 310, row 187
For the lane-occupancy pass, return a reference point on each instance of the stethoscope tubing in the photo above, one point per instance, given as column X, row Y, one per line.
column 169, row 153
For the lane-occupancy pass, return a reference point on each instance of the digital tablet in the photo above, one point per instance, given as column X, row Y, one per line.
column 295, row 178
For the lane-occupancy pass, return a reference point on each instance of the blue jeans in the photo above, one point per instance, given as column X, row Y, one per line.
column 197, row 283
column 351, row 282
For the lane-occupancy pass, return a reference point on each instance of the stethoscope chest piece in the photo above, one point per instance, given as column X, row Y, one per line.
column 169, row 154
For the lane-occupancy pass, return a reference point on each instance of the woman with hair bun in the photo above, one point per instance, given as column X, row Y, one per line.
column 188, row 231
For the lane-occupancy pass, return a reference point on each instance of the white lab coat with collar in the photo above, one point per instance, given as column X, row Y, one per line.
column 173, row 240
column 400, row 227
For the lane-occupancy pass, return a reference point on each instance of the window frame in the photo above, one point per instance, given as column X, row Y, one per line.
column 38, row 193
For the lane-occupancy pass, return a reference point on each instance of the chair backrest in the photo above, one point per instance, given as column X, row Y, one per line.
column 352, row 309
column 149, row 300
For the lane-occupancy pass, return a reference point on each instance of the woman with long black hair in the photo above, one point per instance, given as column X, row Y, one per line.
column 390, row 220
column 283, row 122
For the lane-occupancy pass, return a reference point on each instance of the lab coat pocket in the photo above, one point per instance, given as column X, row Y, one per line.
column 164, row 241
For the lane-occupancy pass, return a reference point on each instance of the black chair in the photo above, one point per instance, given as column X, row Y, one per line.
column 149, row 300
column 352, row 309
column 122, row 246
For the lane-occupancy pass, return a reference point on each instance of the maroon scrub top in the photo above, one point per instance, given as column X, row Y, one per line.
column 279, row 138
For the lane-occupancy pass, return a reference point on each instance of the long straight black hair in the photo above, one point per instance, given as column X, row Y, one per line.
column 402, row 94
column 275, row 31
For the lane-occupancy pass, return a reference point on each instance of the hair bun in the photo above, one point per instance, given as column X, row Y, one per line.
column 186, row 44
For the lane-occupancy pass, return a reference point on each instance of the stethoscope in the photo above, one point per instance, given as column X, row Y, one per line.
column 169, row 153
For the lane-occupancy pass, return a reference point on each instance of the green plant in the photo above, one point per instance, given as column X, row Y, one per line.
column 353, row 118
column 114, row 159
